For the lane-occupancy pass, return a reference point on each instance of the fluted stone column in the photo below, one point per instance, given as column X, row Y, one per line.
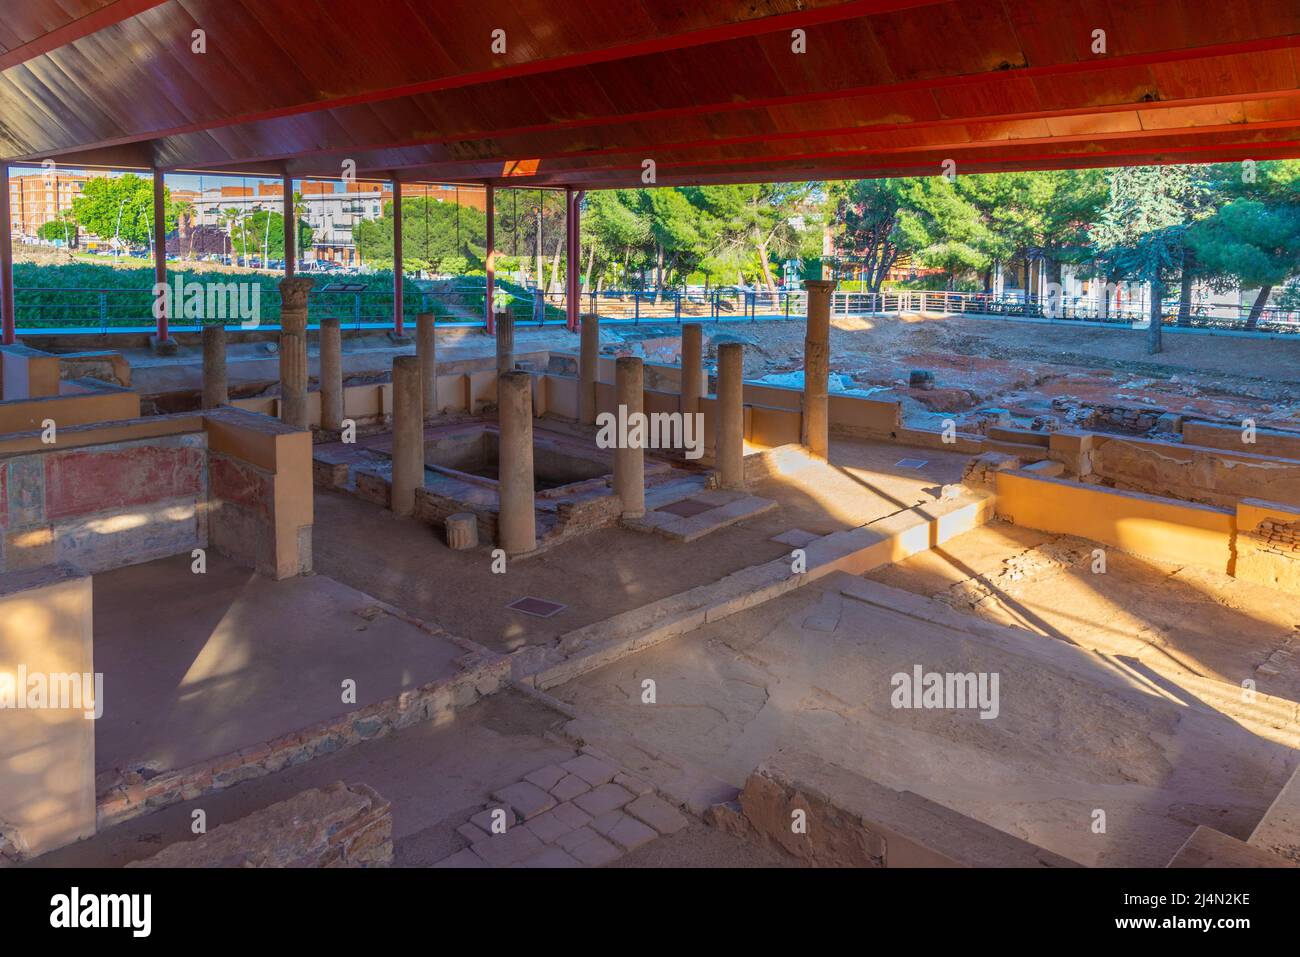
column 462, row 531
column 408, row 434
column 729, row 437
column 692, row 386
column 588, row 368
column 815, row 430
column 293, row 351
column 516, row 521
column 331, row 375
column 629, row 463
column 215, row 390
column 505, row 323
column 426, row 347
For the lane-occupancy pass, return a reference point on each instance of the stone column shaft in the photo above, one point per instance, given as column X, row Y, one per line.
column 692, row 386
column 588, row 368
column 629, row 463
column 516, row 521
column 408, row 434
column 729, row 437
column 331, row 375
column 426, row 347
column 215, row 390
column 505, row 323
column 293, row 351
column 815, row 429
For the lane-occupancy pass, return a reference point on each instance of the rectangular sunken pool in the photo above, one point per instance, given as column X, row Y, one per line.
column 472, row 454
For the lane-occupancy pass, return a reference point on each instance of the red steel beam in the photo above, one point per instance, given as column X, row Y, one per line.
column 1244, row 48
column 399, row 320
column 489, row 207
column 290, row 225
column 7, row 319
column 104, row 17
column 853, row 9
column 160, row 250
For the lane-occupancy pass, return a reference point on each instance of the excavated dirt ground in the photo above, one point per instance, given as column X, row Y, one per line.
column 1023, row 366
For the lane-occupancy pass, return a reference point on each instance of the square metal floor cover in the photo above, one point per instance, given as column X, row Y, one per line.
column 537, row 607
column 686, row 508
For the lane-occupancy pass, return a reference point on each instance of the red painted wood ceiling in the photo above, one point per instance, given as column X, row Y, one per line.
column 712, row 92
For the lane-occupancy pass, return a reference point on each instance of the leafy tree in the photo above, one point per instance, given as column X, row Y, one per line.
column 62, row 228
column 436, row 235
column 122, row 206
column 868, row 216
column 1142, row 228
column 1254, row 242
column 263, row 232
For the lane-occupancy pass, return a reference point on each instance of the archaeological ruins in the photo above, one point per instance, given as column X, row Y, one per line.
column 882, row 585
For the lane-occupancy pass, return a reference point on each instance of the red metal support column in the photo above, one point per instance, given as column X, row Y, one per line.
column 573, row 255
column 489, row 205
column 398, row 301
column 6, row 262
column 290, row 224
column 160, row 248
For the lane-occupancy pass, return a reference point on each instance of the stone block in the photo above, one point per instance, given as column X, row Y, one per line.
column 597, row 852
column 591, row 769
column 657, row 813
column 526, row 799
column 603, row 799
column 514, row 846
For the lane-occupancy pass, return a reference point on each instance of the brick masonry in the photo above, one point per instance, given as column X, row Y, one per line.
column 339, row 825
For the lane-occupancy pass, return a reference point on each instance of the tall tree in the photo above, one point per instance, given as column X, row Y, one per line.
column 1255, row 243
column 121, row 206
column 1142, row 229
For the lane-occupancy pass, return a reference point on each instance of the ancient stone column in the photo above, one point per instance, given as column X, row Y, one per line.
column 588, row 368
column 505, row 323
column 815, row 430
column 215, row 391
column 408, row 434
column 629, row 463
column 692, row 386
column 293, row 351
column 426, row 347
column 516, row 521
column 462, row 531
column 331, row 375
column 729, row 436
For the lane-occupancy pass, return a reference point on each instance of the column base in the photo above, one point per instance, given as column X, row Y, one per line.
column 399, row 339
column 163, row 347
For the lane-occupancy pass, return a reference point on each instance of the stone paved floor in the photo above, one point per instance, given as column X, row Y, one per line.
column 584, row 812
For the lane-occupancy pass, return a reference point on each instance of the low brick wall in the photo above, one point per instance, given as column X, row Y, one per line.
column 852, row 821
column 339, row 825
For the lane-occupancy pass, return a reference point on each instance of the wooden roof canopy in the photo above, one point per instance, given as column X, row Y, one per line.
column 712, row 91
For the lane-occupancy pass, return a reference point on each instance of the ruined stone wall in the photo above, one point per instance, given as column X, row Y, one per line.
column 1268, row 544
column 339, row 825
column 1194, row 473
column 829, row 817
column 435, row 509
column 98, row 507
